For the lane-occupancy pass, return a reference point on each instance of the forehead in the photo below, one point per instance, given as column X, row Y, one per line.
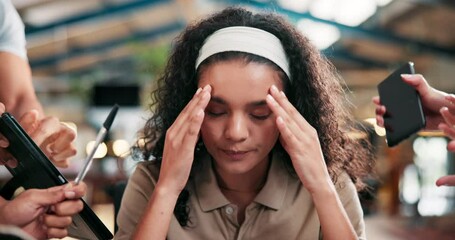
column 237, row 80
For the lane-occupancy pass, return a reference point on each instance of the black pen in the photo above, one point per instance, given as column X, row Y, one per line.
column 99, row 139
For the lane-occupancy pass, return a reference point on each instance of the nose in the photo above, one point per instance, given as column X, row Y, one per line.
column 236, row 128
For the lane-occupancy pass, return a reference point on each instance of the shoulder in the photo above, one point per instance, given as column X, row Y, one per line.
column 146, row 171
column 12, row 36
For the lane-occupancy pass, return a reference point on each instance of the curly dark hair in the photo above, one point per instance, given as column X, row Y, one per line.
column 317, row 92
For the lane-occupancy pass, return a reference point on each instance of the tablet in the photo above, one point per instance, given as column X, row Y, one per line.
column 404, row 114
column 35, row 170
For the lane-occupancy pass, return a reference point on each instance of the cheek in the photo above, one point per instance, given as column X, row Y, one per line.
column 209, row 130
column 270, row 132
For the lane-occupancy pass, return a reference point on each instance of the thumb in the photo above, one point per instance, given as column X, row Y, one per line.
column 50, row 196
column 418, row 82
column 3, row 141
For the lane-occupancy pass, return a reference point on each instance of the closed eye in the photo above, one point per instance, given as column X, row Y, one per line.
column 261, row 117
column 214, row 113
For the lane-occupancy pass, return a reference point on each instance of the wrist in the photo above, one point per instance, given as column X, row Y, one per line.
column 162, row 189
column 323, row 191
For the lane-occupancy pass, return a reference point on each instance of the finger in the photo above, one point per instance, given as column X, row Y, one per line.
column 55, row 221
column 448, row 180
column 284, row 109
column 66, row 135
column 448, row 130
column 451, row 106
column 3, row 142
column 11, row 162
column 376, row 100
column 380, row 110
column 79, row 189
column 29, row 121
column 46, row 197
column 61, row 159
column 68, row 207
column 57, row 232
column 286, row 135
column 47, row 128
column 192, row 132
column 418, row 82
column 451, row 146
column 180, row 126
column 380, row 121
column 448, row 117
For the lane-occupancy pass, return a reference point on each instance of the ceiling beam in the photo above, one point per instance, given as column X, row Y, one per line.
column 100, row 47
column 374, row 34
column 106, row 10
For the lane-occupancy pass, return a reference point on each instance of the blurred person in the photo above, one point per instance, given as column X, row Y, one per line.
column 18, row 95
column 249, row 136
column 439, row 109
column 41, row 213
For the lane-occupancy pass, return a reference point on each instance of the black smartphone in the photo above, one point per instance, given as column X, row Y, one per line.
column 404, row 114
column 35, row 170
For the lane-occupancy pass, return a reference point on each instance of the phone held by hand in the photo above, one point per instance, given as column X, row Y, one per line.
column 404, row 114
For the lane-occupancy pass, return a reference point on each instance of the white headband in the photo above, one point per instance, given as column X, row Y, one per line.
column 248, row 40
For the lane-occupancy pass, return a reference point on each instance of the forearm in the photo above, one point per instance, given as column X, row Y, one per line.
column 334, row 220
column 17, row 91
column 155, row 222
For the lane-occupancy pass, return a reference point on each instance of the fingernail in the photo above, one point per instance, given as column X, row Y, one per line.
column 3, row 143
column 274, row 89
column 70, row 194
column 405, row 75
column 198, row 91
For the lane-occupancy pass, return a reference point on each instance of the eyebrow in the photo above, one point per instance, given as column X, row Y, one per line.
column 252, row 104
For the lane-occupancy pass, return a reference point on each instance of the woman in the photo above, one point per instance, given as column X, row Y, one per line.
column 249, row 136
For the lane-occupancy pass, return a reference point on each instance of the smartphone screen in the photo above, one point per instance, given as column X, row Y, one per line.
column 404, row 114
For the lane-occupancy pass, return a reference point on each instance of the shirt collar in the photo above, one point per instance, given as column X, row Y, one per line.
column 210, row 196
column 273, row 193
column 206, row 186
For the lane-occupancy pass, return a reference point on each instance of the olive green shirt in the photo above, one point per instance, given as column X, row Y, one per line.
column 283, row 209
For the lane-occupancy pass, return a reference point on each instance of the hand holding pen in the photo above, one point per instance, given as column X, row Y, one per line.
column 99, row 139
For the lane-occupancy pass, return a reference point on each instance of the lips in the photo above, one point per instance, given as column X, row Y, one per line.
column 236, row 154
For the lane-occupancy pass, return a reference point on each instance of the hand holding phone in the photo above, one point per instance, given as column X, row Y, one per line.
column 404, row 114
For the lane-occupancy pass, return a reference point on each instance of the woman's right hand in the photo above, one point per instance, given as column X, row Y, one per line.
column 181, row 139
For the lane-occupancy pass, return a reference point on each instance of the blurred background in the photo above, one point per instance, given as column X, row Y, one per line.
column 87, row 55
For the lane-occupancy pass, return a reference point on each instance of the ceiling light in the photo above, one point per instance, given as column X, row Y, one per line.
column 324, row 9
column 100, row 152
column 320, row 34
column 297, row 6
column 354, row 12
column 120, row 147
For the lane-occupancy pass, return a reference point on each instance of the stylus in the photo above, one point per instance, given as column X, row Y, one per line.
column 99, row 139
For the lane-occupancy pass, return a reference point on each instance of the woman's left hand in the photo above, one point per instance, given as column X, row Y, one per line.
column 301, row 142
